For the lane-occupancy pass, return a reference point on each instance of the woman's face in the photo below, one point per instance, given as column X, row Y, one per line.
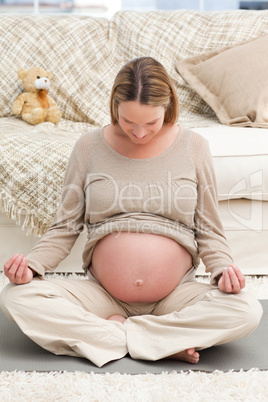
column 140, row 122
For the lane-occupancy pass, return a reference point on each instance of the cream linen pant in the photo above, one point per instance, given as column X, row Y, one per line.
column 69, row 317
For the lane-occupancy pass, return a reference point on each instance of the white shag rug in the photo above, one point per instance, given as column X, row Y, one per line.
column 191, row 386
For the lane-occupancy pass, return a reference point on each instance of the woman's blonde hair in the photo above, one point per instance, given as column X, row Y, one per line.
column 145, row 80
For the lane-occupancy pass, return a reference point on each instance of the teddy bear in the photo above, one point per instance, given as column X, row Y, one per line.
column 34, row 105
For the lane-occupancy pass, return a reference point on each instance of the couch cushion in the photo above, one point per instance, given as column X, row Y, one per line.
column 233, row 81
column 241, row 161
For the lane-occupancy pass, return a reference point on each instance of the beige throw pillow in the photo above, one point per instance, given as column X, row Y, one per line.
column 233, row 81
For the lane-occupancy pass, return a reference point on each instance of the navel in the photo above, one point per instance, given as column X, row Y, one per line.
column 138, row 282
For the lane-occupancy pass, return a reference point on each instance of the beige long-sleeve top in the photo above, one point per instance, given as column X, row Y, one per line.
column 173, row 194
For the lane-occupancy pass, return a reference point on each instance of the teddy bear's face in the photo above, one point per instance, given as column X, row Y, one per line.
column 35, row 79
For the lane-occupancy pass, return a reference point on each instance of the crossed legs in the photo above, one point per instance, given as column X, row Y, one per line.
column 72, row 317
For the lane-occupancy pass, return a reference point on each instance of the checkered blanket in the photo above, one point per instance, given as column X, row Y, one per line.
column 84, row 54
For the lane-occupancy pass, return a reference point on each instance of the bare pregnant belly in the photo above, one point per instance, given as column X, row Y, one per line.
column 139, row 267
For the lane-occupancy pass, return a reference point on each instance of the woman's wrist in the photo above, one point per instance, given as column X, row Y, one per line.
column 34, row 272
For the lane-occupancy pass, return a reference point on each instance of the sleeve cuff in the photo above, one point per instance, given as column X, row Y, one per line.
column 215, row 278
column 36, row 267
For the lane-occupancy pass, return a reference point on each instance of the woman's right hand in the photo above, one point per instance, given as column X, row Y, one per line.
column 17, row 270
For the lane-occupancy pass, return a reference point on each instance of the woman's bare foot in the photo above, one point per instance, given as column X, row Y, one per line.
column 188, row 355
column 118, row 318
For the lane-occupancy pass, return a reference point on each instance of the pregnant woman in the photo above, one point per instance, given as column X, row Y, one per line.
column 145, row 189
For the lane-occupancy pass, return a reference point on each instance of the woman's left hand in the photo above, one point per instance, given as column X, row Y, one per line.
column 232, row 280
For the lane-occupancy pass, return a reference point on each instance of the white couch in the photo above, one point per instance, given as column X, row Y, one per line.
column 84, row 54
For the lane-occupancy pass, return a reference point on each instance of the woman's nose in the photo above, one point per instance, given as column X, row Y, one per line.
column 139, row 132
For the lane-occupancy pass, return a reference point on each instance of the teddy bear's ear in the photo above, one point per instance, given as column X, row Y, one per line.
column 21, row 73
